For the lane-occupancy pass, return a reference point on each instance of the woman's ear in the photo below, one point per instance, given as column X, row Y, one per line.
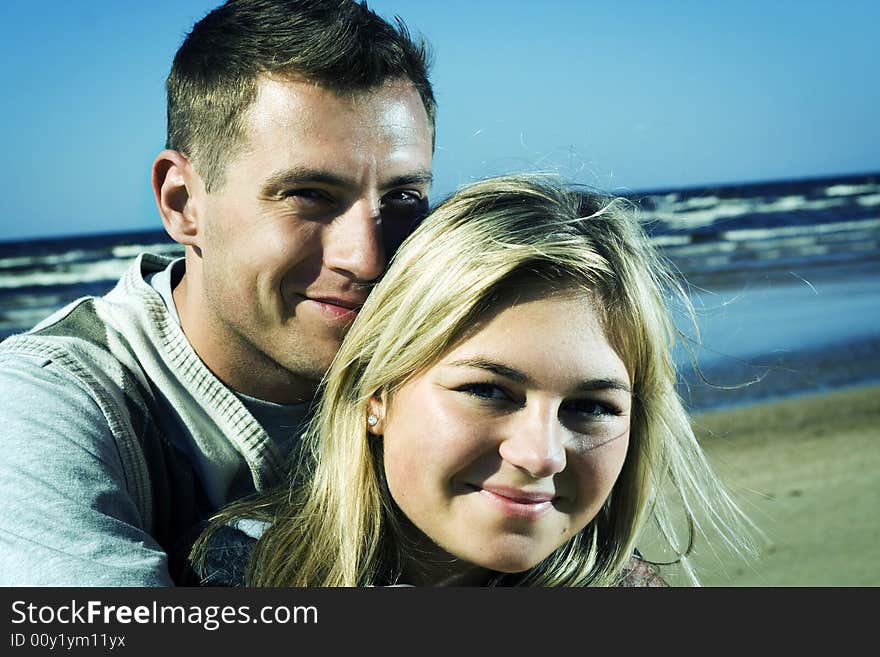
column 376, row 414
column 174, row 180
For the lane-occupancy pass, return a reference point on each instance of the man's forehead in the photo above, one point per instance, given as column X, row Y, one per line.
column 283, row 90
column 301, row 111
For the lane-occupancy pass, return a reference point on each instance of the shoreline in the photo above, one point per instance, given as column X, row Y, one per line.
column 806, row 470
column 777, row 376
column 791, row 333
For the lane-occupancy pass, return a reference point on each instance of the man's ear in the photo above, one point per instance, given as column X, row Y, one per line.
column 376, row 414
column 174, row 182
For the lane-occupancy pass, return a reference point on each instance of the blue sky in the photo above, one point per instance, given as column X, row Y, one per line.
column 622, row 95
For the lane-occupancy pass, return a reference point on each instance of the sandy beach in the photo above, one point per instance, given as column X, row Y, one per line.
column 807, row 472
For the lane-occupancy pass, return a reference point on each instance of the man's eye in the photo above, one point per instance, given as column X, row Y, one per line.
column 401, row 213
column 308, row 195
column 408, row 207
column 401, row 198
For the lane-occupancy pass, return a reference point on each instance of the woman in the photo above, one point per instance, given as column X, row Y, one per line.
column 501, row 412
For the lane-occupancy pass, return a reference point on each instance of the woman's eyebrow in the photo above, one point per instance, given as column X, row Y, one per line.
column 492, row 366
column 590, row 385
column 604, row 384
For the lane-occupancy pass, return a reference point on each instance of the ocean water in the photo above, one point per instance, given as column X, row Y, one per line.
column 785, row 277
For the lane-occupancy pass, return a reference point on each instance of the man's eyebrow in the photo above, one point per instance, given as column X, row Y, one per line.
column 590, row 385
column 299, row 175
column 414, row 178
column 305, row 175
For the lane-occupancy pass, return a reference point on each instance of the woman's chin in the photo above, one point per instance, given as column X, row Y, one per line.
column 511, row 564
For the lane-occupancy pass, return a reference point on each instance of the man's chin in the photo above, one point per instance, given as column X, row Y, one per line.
column 309, row 361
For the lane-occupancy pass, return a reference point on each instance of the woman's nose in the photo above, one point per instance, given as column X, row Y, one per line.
column 535, row 442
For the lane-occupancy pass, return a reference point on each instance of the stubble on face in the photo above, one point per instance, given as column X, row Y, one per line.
column 294, row 228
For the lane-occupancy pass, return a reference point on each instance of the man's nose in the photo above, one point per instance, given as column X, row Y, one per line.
column 535, row 442
column 353, row 242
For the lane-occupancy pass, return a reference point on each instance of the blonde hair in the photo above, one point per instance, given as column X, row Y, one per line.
column 336, row 525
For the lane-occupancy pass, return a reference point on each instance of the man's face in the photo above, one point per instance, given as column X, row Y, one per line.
column 323, row 189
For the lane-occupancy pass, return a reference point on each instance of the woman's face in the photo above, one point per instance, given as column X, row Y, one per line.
column 509, row 445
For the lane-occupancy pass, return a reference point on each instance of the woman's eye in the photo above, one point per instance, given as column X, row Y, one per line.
column 484, row 391
column 590, row 408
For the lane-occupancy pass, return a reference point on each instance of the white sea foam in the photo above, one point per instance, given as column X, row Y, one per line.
column 787, row 204
column 869, row 201
column 706, row 248
column 677, row 217
column 670, row 240
column 784, row 204
column 87, row 272
column 856, row 236
column 45, row 260
column 799, row 243
column 850, row 190
column 49, row 299
column 699, row 202
column 133, row 250
column 24, row 318
column 766, row 233
column 125, row 251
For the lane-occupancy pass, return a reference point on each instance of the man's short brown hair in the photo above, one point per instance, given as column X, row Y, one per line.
column 341, row 45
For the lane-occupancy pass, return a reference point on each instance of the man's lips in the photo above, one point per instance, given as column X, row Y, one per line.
column 348, row 304
column 335, row 307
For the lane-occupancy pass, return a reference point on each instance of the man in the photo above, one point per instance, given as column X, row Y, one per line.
column 300, row 139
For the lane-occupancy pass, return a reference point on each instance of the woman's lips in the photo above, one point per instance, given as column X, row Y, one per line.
column 516, row 502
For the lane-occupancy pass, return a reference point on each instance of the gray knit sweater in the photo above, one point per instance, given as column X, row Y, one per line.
column 155, row 443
